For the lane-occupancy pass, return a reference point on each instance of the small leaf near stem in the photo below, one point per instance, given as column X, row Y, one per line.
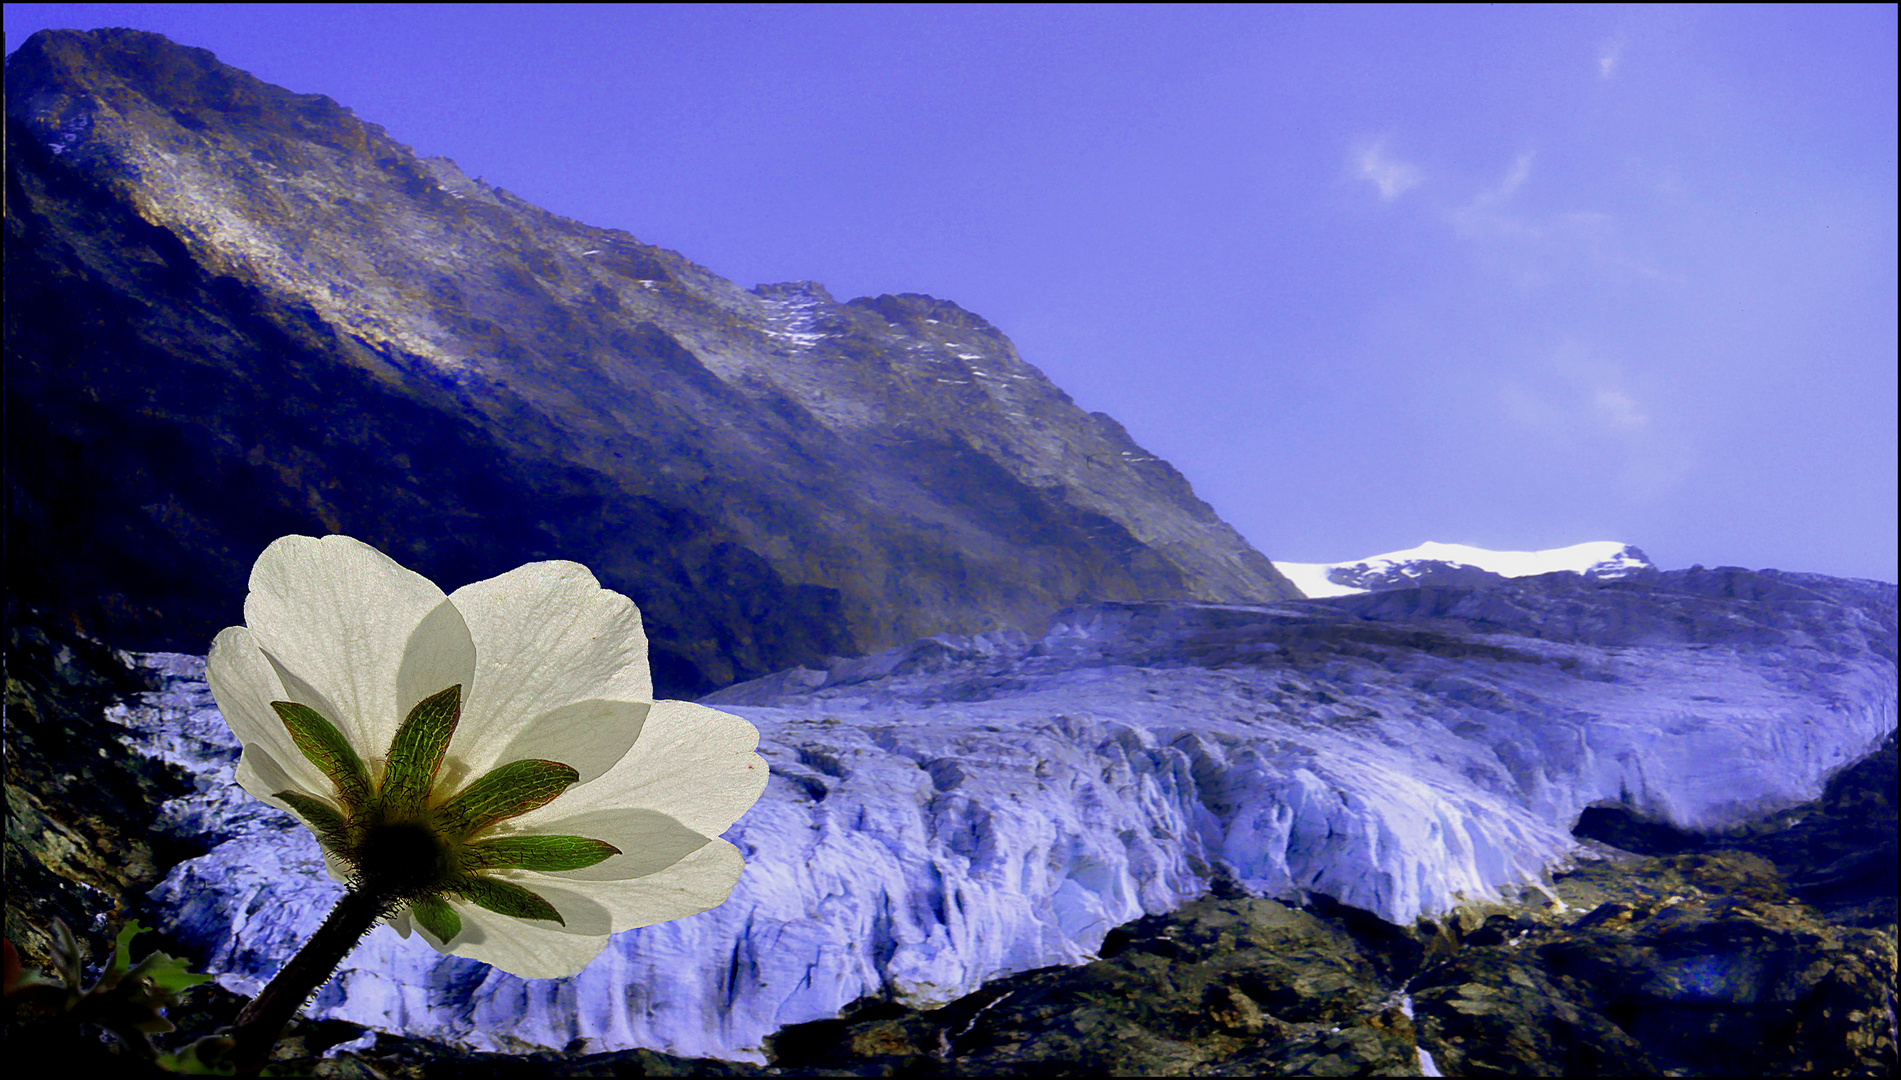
column 329, row 751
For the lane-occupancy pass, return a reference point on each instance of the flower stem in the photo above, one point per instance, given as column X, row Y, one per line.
column 259, row 1023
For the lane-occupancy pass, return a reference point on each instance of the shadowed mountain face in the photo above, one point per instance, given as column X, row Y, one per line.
column 236, row 312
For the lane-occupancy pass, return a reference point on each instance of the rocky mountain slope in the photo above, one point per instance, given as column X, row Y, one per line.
column 236, row 312
column 964, row 809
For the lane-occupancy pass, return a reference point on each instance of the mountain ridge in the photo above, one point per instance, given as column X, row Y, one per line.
column 1434, row 563
column 241, row 312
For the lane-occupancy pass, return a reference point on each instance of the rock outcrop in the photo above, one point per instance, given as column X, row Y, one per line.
column 236, row 312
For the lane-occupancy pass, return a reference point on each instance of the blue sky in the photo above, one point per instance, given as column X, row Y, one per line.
column 1369, row 276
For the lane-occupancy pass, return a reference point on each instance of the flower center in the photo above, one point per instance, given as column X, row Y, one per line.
column 402, row 860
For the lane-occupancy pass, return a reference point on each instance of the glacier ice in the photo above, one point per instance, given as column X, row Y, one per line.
column 963, row 808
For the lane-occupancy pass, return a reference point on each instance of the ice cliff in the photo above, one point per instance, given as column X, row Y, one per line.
column 963, row 808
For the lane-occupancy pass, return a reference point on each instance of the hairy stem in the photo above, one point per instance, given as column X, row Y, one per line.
column 259, row 1023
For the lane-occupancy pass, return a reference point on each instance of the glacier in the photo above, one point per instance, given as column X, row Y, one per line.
column 963, row 808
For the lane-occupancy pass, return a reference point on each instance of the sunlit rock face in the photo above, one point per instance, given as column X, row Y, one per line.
column 960, row 809
column 238, row 312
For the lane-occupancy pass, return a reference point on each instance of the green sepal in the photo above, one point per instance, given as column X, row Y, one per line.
column 433, row 914
column 329, row 825
column 505, row 792
column 543, row 853
column 506, row 898
column 416, row 753
column 329, row 751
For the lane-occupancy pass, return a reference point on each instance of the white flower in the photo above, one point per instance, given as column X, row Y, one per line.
column 490, row 763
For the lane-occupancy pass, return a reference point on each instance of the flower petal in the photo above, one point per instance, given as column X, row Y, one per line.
column 244, row 686
column 546, row 635
column 530, row 950
column 339, row 615
column 259, row 771
column 439, row 654
column 699, row 882
column 589, row 736
column 692, row 763
column 541, row 950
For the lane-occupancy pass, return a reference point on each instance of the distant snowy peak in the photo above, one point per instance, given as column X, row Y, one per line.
column 1461, row 564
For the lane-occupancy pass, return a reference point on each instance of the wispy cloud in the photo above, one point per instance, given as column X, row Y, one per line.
column 1608, row 54
column 1392, row 176
column 1581, row 413
column 1486, row 214
column 1537, row 245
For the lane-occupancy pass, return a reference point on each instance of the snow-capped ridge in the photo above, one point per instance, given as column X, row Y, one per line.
column 1461, row 564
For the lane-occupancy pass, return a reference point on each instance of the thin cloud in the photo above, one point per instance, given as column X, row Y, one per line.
column 1549, row 240
column 1485, row 215
column 1608, row 54
column 1393, row 177
column 1580, row 414
column 1573, row 395
column 1618, row 410
column 1598, row 233
column 1521, row 172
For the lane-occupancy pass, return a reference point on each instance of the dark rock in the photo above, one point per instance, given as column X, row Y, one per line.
column 1222, row 987
column 80, row 844
column 1698, row 965
column 236, row 312
column 1837, row 854
column 1690, row 966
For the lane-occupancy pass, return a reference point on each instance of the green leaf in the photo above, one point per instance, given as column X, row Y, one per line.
column 65, row 955
column 209, row 1056
column 504, row 792
column 436, row 916
column 169, row 973
column 329, row 751
column 121, row 953
column 506, row 898
column 416, row 753
column 329, row 825
column 543, row 853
